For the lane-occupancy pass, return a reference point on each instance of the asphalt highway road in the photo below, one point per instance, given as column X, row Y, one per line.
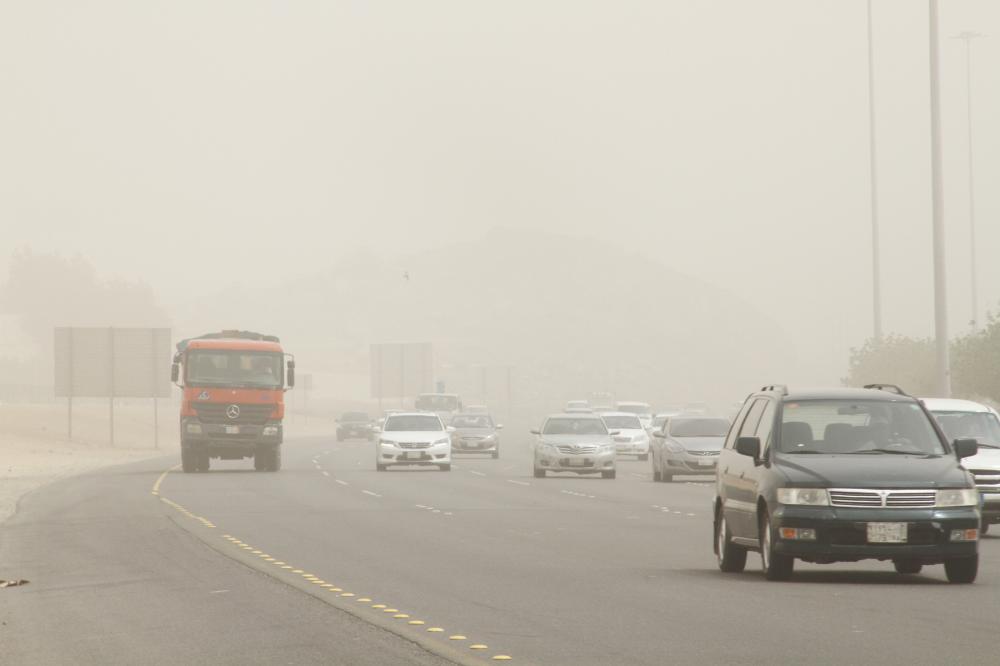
column 329, row 561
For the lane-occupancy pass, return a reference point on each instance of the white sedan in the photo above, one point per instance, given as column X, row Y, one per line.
column 632, row 438
column 413, row 439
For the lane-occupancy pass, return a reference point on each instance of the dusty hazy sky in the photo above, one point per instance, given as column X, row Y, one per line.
column 181, row 141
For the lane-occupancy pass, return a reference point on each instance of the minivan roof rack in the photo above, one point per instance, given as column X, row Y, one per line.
column 891, row 388
column 777, row 388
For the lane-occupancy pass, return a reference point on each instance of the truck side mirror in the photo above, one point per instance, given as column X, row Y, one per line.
column 291, row 374
column 175, row 372
column 965, row 448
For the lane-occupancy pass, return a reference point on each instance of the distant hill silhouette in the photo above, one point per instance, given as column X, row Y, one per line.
column 570, row 314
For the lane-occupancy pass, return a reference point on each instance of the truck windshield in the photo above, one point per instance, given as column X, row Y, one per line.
column 220, row 367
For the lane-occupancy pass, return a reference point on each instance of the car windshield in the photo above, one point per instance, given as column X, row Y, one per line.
column 437, row 403
column 413, row 423
column 981, row 426
column 571, row 426
column 622, row 422
column 472, row 421
column 857, row 427
column 353, row 417
column 220, row 367
column 638, row 408
column 699, row 427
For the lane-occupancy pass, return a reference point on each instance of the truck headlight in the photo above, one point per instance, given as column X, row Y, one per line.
column 270, row 431
column 805, row 496
column 193, row 428
column 957, row 497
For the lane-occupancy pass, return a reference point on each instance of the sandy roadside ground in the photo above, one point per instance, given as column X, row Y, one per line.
column 35, row 450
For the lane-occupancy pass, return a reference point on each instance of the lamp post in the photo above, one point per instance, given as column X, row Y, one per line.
column 873, row 174
column 937, row 196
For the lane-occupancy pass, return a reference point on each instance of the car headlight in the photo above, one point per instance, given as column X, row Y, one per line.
column 443, row 440
column 193, row 428
column 270, row 431
column 674, row 447
column 489, row 438
column 607, row 448
column 387, row 442
column 957, row 497
column 806, row 496
column 549, row 448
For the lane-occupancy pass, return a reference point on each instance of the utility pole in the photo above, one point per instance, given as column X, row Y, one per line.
column 937, row 193
column 967, row 37
column 873, row 174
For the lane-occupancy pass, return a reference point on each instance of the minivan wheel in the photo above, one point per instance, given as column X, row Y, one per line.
column 984, row 529
column 907, row 566
column 644, row 457
column 732, row 558
column 962, row 569
column 776, row 566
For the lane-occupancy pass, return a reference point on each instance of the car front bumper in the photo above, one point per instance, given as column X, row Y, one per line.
column 639, row 448
column 475, row 445
column 583, row 463
column 686, row 463
column 842, row 533
column 354, row 431
column 438, row 454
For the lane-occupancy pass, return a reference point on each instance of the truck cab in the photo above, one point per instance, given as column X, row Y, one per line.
column 233, row 403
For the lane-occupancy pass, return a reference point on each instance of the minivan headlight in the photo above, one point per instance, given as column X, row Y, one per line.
column 957, row 497
column 806, row 496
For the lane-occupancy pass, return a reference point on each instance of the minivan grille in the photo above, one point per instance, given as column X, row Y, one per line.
column 893, row 499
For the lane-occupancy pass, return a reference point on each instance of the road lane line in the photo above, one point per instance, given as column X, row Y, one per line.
column 343, row 483
column 477, row 473
column 520, row 483
column 368, row 492
column 325, row 473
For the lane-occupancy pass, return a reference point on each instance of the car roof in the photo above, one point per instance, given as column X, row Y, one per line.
column 414, row 414
column 575, row 415
column 632, row 414
column 632, row 402
column 954, row 405
column 846, row 394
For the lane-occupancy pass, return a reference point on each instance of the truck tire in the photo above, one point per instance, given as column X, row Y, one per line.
column 275, row 459
column 189, row 462
column 267, row 459
column 204, row 461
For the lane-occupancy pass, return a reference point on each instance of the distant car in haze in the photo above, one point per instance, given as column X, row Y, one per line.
column 688, row 445
column 354, row 425
column 631, row 438
column 640, row 409
column 413, row 438
column 475, row 433
column 476, row 409
column 578, row 443
column 578, row 406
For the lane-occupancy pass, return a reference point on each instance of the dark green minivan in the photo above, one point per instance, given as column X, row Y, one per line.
column 842, row 475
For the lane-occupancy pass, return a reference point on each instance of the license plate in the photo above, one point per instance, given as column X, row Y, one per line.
column 706, row 463
column 232, row 430
column 413, row 455
column 887, row 532
column 577, row 462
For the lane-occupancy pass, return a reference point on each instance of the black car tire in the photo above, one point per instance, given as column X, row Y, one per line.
column 732, row 558
column 644, row 457
column 666, row 478
column 608, row 474
column 379, row 467
column 962, row 570
column 496, row 453
column 445, row 468
column 656, row 474
column 776, row 566
column 984, row 529
column 910, row 567
column 189, row 460
column 539, row 473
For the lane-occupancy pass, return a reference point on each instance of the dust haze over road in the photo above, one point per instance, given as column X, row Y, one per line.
column 660, row 201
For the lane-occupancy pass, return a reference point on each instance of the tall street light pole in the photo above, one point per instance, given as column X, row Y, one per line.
column 967, row 37
column 937, row 196
column 873, row 173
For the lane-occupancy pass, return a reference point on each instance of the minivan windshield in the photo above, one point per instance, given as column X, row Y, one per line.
column 699, row 427
column 857, row 427
column 981, row 426
column 569, row 426
column 413, row 423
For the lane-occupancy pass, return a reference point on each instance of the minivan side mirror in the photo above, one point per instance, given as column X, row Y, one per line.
column 965, row 448
column 749, row 446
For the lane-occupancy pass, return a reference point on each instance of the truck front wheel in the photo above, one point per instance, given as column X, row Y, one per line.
column 189, row 460
column 267, row 460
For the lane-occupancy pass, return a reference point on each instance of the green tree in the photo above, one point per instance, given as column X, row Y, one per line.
column 974, row 363
column 896, row 359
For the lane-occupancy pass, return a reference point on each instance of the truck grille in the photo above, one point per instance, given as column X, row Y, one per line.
column 217, row 412
column 893, row 499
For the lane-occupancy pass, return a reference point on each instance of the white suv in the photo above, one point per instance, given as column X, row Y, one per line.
column 413, row 439
column 964, row 419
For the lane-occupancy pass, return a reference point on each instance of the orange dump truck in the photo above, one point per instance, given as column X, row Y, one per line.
column 234, row 385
